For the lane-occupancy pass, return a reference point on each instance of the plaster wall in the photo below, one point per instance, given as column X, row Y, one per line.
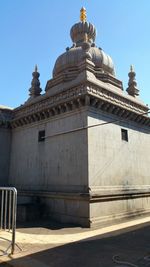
column 5, row 139
column 57, row 164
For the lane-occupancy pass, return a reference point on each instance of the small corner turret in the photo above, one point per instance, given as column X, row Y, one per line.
column 35, row 89
column 132, row 84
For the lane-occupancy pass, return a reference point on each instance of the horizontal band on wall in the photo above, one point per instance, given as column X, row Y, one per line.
column 114, row 197
column 123, row 216
column 55, row 195
column 84, row 196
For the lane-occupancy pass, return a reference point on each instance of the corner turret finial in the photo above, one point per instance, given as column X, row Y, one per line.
column 83, row 14
column 36, row 68
column 131, row 68
column 132, row 84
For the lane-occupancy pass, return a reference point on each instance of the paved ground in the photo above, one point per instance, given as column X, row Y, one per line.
column 56, row 245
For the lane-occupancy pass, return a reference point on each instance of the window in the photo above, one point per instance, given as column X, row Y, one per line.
column 41, row 136
column 124, row 135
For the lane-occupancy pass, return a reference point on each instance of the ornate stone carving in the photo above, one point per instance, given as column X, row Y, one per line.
column 84, row 95
column 132, row 84
column 35, row 89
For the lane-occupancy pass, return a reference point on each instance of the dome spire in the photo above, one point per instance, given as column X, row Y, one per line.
column 83, row 50
column 81, row 28
column 83, row 14
column 132, row 84
column 35, row 89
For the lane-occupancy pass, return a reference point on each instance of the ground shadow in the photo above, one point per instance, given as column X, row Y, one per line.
column 132, row 246
column 48, row 224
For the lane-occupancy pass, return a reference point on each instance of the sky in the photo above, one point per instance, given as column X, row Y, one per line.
column 37, row 32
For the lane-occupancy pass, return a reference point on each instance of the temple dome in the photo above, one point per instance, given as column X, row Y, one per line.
column 74, row 55
column 81, row 33
column 79, row 30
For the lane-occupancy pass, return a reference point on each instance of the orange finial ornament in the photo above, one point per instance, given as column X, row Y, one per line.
column 83, row 14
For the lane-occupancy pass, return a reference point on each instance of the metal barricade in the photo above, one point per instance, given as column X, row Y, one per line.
column 8, row 204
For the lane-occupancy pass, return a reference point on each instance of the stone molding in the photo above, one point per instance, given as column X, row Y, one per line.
column 116, row 99
column 54, row 195
column 121, row 196
column 110, row 189
column 87, row 94
column 123, row 216
column 73, row 73
column 111, row 193
column 86, row 196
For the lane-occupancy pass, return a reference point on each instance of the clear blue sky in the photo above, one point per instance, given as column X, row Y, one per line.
column 37, row 32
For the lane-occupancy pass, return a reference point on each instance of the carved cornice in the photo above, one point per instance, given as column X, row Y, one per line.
column 74, row 98
column 116, row 99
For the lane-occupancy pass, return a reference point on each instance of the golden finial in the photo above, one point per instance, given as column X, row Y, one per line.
column 36, row 68
column 131, row 68
column 83, row 14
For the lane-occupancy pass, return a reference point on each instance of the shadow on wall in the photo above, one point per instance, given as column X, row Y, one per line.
column 131, row 244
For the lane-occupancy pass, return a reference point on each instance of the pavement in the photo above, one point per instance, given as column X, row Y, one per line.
column 58, row 245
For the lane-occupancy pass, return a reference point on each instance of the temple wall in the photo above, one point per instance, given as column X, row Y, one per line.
column 119, row 170
column 86, row 177
column 57, row 164
column 109, row 212
column 113, row 161
column 68, row 209
column 5, row 139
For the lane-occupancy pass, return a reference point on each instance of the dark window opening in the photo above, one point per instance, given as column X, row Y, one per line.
column 124, row 135
column 41, row 136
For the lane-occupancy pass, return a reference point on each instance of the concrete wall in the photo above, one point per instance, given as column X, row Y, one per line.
column 112, row 161
column 116, row 171
column 110, row 212
column 5, row 139
column 67, row 210
column 57, row 164
column 119, row 171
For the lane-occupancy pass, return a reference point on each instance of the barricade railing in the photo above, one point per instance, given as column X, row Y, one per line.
column 8, row 211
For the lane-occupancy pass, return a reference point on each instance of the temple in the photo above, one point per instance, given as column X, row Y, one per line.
column 79, row 152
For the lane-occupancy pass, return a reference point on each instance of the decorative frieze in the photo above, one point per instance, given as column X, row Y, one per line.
column 116, row 98
column 74, row 98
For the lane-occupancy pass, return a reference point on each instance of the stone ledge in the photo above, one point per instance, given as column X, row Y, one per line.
column 55, row 195
column 114, row 197
column 114, row 218
column 93, row 198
